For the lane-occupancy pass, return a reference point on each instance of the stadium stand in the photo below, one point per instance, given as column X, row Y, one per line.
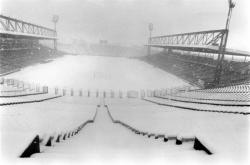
column 199, row 70
column 18, row 53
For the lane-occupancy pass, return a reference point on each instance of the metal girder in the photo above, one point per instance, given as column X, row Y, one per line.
column 212, row 41
column 195, row 41
column 14, row 27
column 204, row 41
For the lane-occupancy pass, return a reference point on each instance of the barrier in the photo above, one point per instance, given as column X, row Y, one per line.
column 58, row 138
column 29, row 101
column 49, row 142
column 37, row 88
column 199, row 146
column 143, row 94
column 35, row 145
column 1, row 80
column 88, row 93
column 112, row 94
column 163, row 92
column 45, row 89
column 149, row 93
column 120, row 94
column 178, row 139
column 56, row 91
column 64, row 92
column 12, row 82
column 19, row 84
column 21, row 95
column 21, row 88
column 132, row 94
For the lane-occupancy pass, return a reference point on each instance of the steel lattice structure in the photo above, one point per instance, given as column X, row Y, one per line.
column 203, row 41
column 212, row 41
column 10, row 27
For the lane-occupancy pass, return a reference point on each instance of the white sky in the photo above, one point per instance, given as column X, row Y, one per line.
column 126, row 21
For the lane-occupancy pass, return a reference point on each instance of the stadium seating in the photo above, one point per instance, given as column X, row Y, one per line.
column 16, row 54
column 199, row 70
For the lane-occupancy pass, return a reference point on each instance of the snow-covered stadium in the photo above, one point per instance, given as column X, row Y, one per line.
column 113, row 104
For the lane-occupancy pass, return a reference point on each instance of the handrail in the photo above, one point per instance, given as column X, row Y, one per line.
column 35, row 145
column 178, row 139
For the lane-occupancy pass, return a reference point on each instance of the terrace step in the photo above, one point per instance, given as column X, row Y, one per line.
column 27, row 99
column 109, row 143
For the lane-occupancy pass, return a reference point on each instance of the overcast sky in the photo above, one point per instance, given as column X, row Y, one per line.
column 126, row 21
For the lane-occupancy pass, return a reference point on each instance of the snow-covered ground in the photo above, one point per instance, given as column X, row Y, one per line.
column 199, row 106
column 96, row 72
column 104, row 142
column 226, row 135
column 20, row 123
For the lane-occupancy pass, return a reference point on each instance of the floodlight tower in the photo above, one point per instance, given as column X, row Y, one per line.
column 223, row 44
column 150, row 28
column 55, row 19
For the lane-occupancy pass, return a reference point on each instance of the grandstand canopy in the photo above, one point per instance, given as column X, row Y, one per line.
column 205, row 49
column 16, row 35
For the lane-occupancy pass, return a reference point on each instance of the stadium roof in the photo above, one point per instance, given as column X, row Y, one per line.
column 19, row 35
column 205, row 49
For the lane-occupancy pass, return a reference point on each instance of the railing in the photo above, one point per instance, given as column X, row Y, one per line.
column 37, row 142
column 21, row 88
column 197, row 145
column 12, row 88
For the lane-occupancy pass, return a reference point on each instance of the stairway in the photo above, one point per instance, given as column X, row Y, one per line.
column 104, row 142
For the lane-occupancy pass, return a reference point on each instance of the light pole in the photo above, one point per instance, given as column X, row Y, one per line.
column 223, row 44
column 150, row 28
column 55, row 20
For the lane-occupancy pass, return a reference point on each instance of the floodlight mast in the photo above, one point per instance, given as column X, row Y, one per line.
column 55, row 19
column 150, row 28
column 223, row 44
column 231, row 6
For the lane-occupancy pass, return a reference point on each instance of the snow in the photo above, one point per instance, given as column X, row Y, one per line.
column 104, row 142
column 225, row 134
column 95, row 72
column 211, row 98
column 44, row 119
column 26, row 98
column 199, row 106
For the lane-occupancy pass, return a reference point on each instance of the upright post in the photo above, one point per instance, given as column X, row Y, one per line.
column 150, row 27
column 223, row 44
column 55, row 20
